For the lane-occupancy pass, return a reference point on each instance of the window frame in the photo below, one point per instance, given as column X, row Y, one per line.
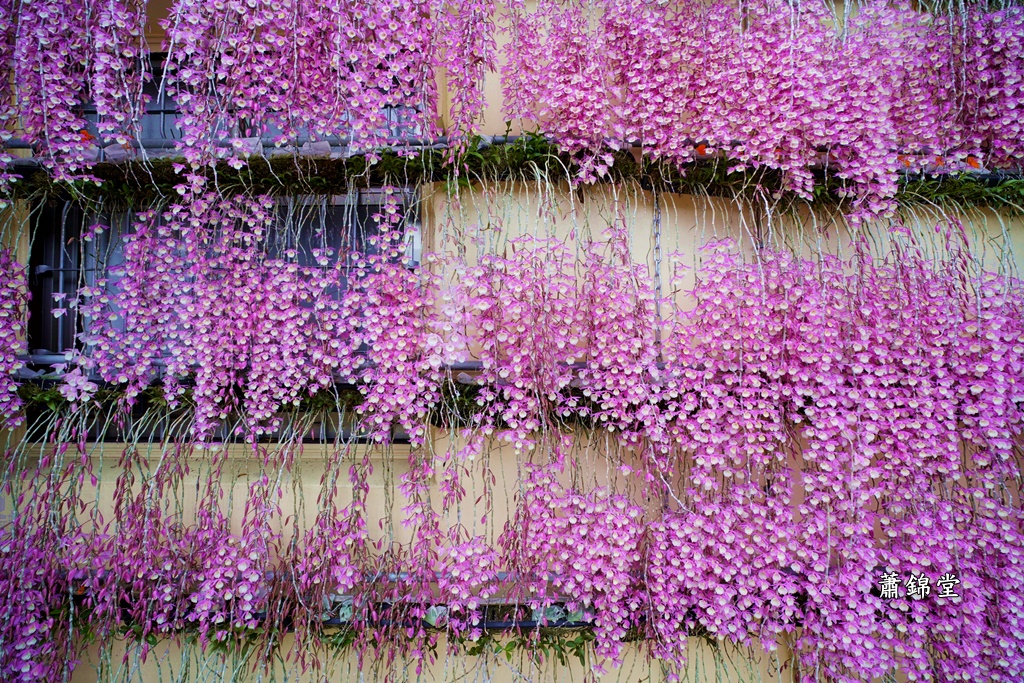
column 79, row 263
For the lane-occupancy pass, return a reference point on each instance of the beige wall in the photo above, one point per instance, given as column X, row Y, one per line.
column 174, row 663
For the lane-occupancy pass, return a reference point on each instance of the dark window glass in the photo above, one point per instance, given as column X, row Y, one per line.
column 68, row 254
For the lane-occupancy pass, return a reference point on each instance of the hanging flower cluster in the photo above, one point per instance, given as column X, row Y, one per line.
column 782, row 439
column 559, row 80
column 117, row 75
column 873, row 372
column 229, row 581
column 225, row 70
column 51, row 62
column 468, row 576
column 63, row 55
column 774, row 84
column 190, row 271
column 588, row 546
column 340, row 69
column 8, row 109
column 149, row 561
column 401, row 330
column 800, row 429
column 13, row 301
column 150, row 298
column 32, row 587
column 621, row 345
column 252, row 318
column 523, row 309
column 992, row 73
column 467, row 53
column 769, row 84
column 240, row 70
column 332, row 549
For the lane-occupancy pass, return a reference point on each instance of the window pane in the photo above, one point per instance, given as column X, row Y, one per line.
column 68, row 254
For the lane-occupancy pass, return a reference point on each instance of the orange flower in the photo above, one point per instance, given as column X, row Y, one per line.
column 87, row 136
column 973, row 162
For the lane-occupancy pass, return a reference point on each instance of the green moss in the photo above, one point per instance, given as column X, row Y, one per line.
column 965, row 190
column 143, row 183
column 331, row 400
column 37, row 397
column 457, row 407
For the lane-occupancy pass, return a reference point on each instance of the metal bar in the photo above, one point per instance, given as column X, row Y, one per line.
column 462, row 366
column 484, row 625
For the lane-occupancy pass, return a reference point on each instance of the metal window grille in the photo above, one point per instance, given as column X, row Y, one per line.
column 62, row 262
column 158, row 130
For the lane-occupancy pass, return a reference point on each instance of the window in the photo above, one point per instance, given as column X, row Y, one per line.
column 342, row 224
column 159, row 132
column 67, row 253
column 64, row 256
column 158, row 126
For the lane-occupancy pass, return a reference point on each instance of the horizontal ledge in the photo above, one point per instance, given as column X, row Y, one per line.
column 60, row 358
column 273, row 148
column 339, row 144
column 527, row 625
column 463, row 366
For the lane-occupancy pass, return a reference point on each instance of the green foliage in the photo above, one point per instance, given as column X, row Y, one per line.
column 37, row 397
column 528, row 157
column 339, row 639
column 543, row 644
column 458, row 405
column 328, row 400
column 965, row 190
